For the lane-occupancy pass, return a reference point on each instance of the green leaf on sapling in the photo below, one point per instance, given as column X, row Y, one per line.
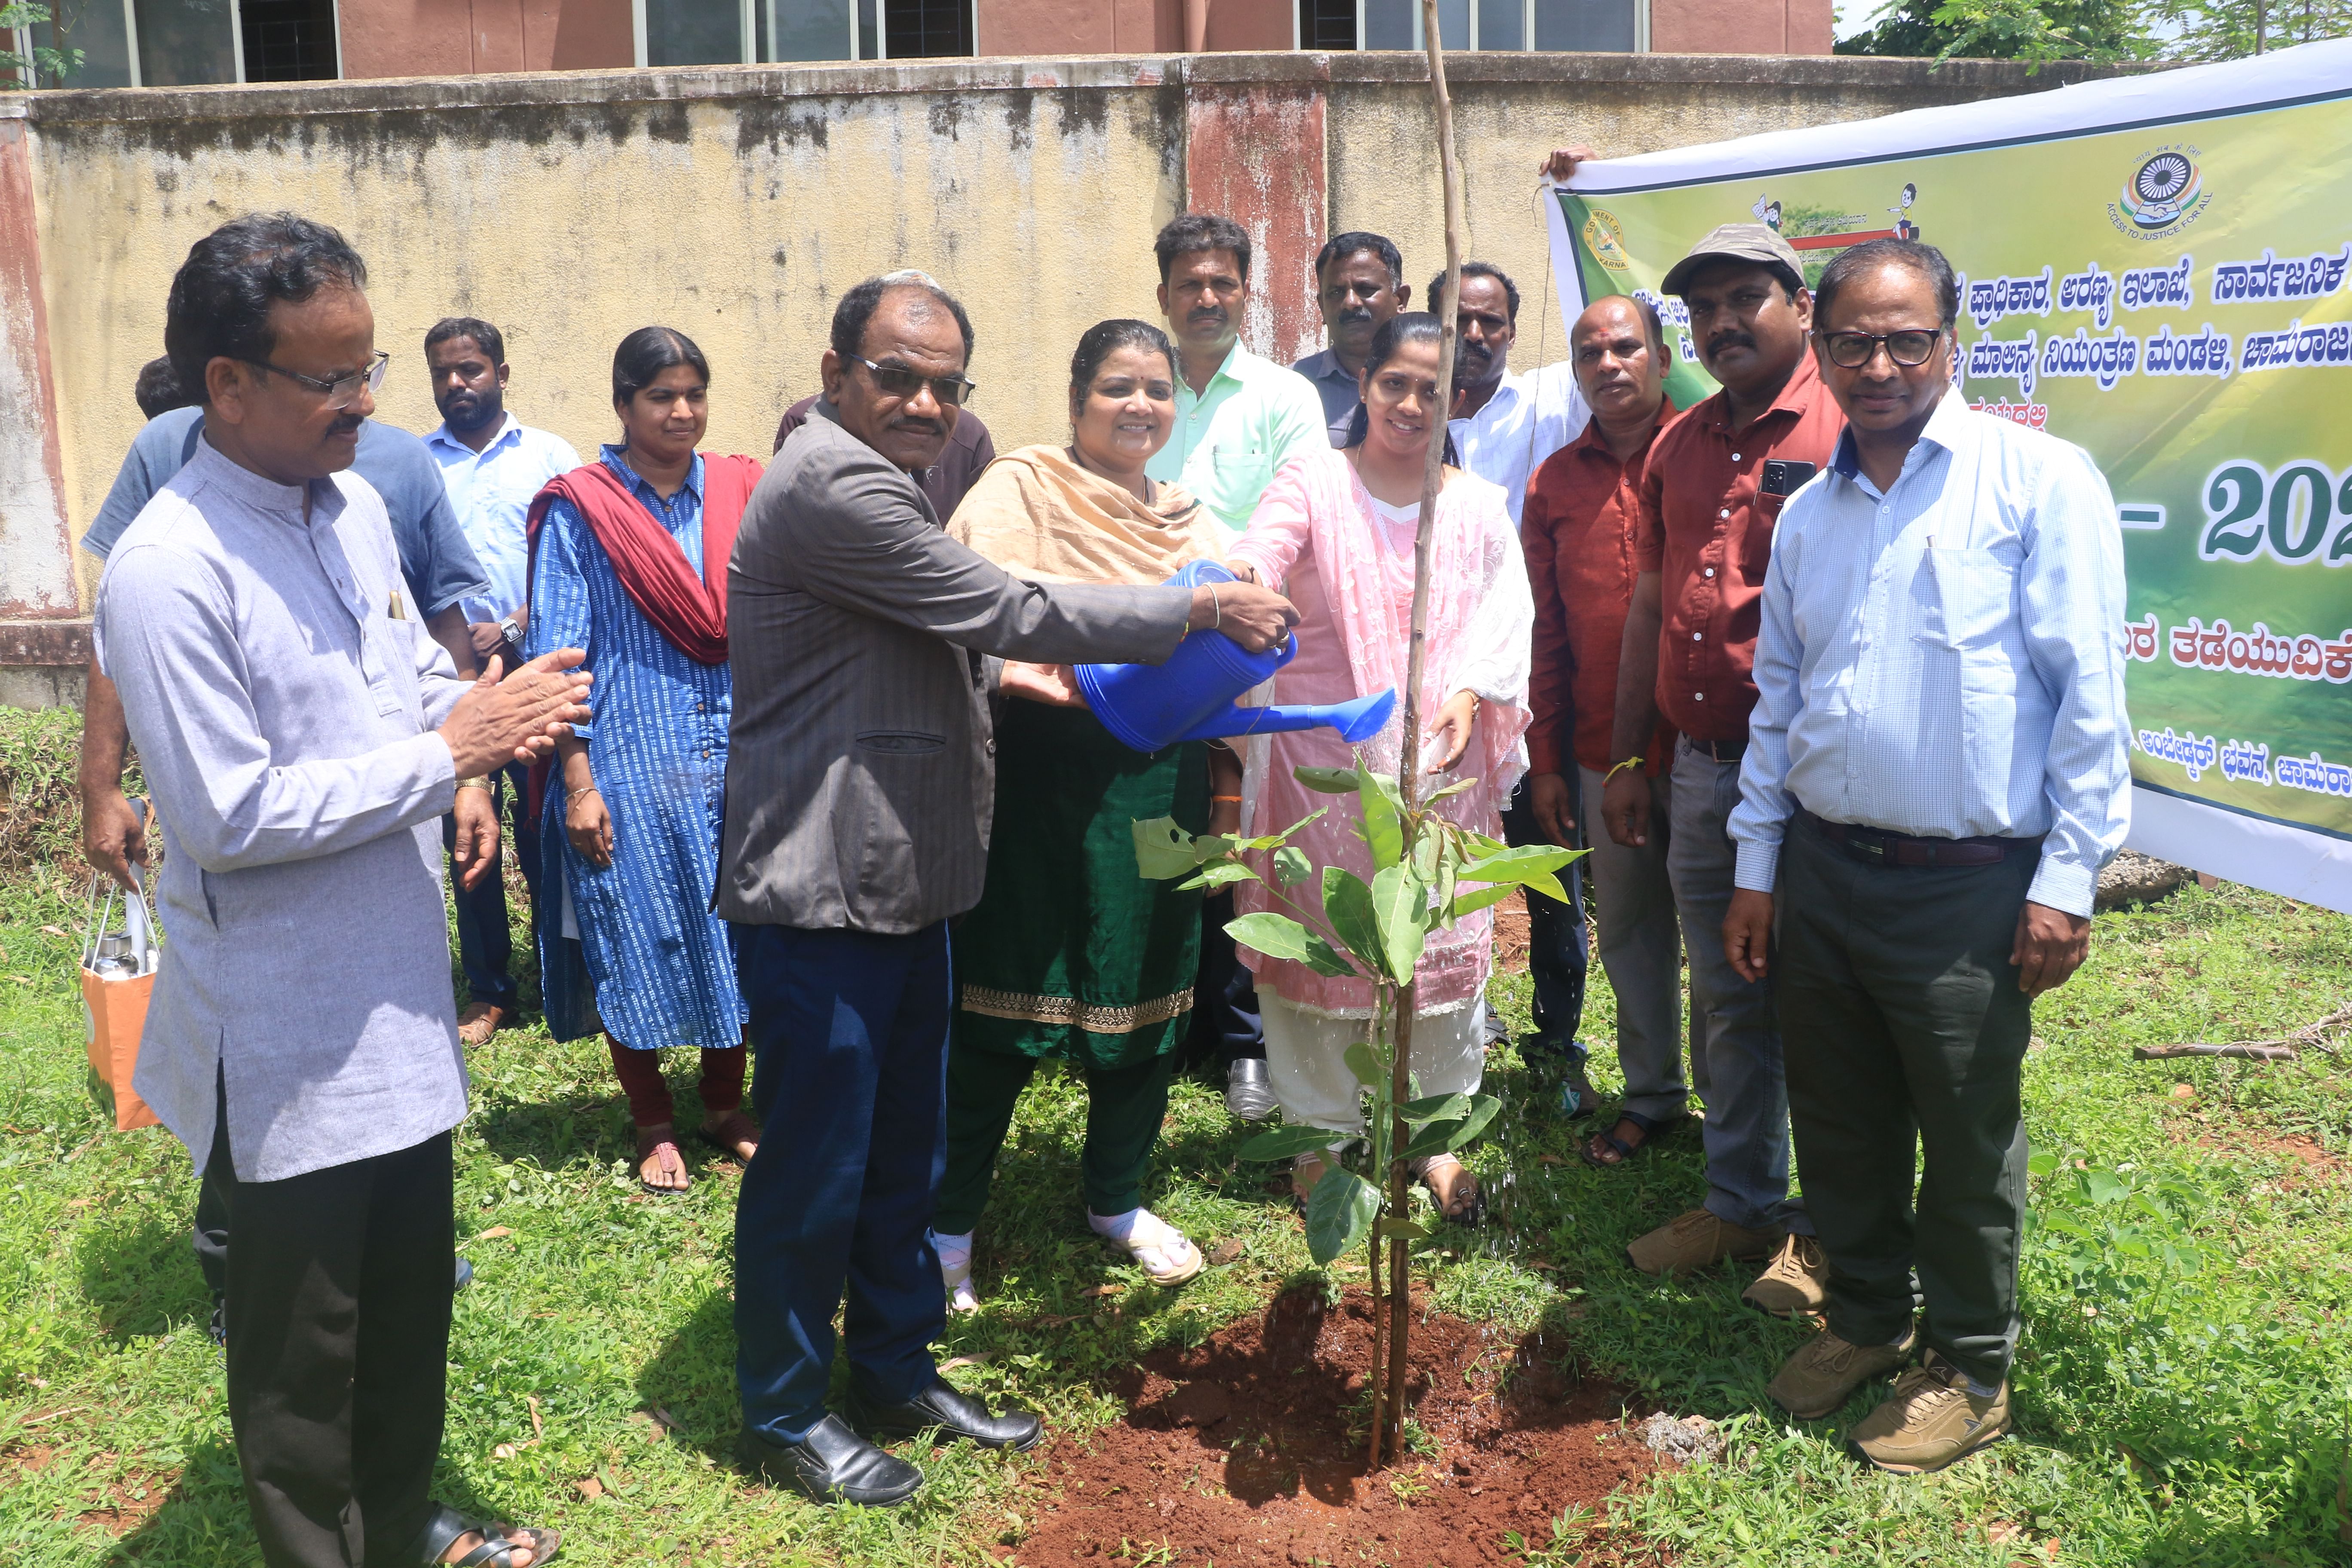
column 1328, row 961
column 1276, row 936
column 1339, row 1213
column 1436, row 1108
column 1222, row 874
column 1383, row 830
column 1162, row 849
column 1289, row 1142
column 1291, row 867
column 1518, row 865
column 1456, row 787
column 1327, row 781
column 1478, row 899
column 1347, row 905
column 1400, row 907
column 1364, row 1064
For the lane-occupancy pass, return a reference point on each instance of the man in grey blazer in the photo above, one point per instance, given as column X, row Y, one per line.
column 860, row 784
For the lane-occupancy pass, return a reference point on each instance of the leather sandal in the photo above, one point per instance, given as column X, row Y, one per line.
column 445, row 1527
column 727, row 1131
column 1651, row 1127
column 651, row 1141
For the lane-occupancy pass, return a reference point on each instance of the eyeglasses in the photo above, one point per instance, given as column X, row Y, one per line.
column 899, row 382
column 1909, row 348
column 343, row 390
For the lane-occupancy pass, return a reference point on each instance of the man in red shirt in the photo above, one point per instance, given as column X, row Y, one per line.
column 1579, row 530
column 1711, row 492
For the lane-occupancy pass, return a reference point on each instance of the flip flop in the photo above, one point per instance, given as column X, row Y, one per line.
column 446, row 1526
column 1651, row 1127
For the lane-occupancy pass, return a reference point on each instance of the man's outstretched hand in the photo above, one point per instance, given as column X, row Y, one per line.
column 517, row 720
column 1255, row 617
column 2051, row 945
column 1564, row 160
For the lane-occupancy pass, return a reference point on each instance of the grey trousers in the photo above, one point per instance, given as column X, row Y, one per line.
column 1906, row 1029
column 1747, row 1134
column 1640, row 951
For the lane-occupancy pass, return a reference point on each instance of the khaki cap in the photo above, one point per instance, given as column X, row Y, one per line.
column 1737, row 242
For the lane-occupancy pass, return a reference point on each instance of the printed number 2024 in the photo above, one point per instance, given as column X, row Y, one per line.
column 2284, row 514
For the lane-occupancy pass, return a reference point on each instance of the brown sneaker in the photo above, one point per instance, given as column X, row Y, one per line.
column 1796, row 1280
column 1697, row 1241
column 1826, row 1369
column 479, row 1021
column 1930, row 1421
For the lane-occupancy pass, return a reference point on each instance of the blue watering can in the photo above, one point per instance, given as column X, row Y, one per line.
column 1192, row 697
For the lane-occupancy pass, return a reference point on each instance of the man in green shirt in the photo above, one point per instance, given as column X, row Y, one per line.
column 1239, row 418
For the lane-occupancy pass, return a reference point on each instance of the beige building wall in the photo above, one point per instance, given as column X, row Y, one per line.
column 736, row 204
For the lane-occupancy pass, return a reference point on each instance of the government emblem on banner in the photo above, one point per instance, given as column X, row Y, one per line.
column 1606, row 241
column 2164, row 194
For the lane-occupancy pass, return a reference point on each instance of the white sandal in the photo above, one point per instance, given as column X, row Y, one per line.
column 1166, row 1255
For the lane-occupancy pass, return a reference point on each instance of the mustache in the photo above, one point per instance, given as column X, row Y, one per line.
column 1730, row 337
column 1357, row 316
column 1206, row 313
column 345, row 423
column 927, row 427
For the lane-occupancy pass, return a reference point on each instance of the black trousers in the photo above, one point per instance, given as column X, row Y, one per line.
column 1558, row 956
column 1224, row 1027
column 1903, row 1027
column 337, row 1349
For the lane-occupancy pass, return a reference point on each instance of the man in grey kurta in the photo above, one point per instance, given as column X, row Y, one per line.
column 860, row 779
column 303, row 735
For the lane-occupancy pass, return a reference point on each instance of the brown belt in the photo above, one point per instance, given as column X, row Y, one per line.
column 1877, row 847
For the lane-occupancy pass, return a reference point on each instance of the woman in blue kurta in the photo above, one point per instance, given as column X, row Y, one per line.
column 629, row 562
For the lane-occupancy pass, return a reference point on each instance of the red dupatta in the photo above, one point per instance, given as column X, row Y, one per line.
column 690, row 613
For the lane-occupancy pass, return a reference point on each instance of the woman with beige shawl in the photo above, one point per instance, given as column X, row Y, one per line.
column 1071, row 953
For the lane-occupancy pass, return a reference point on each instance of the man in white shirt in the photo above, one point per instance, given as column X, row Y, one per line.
column 1504, row 426
column 492, row 465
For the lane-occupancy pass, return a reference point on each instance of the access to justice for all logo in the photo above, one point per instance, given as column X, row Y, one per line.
column 2178, row 299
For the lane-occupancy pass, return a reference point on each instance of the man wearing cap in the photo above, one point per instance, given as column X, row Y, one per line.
column 1711, row 492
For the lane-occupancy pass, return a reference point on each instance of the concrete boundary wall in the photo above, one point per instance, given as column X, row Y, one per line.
column 736, row 203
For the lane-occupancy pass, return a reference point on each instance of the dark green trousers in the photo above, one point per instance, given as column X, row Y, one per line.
column 1904, row 1030
column 1124, row 1108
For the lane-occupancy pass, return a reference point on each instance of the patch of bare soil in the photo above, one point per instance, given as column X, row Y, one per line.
column 1248, row 1452
column 1511, row 933
column 2307, row 1163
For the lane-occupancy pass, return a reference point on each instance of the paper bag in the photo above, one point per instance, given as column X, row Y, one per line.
column 115, row 1007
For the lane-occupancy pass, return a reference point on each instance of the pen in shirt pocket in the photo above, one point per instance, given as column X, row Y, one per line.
column 393, row 611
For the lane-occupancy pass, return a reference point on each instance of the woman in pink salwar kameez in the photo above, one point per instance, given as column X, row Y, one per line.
column 1335, row 532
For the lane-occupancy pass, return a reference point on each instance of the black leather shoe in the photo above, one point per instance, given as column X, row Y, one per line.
column 952, row 1415
column 832, row 1463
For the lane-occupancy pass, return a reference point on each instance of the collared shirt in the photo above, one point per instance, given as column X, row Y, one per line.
column 1945, row 659
column 434, row 555
column 1339, row 388
column 284, row 700
column 491, row 492
column 1230, row 441
column 1706, row 528
column 1583, row 511
column 967, row 451
column 1528, row 419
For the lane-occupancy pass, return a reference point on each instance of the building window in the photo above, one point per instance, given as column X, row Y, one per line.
column 288, row 40
column 926, row 29
column 186, row 43
column 1608, row 25
column 1326, row 24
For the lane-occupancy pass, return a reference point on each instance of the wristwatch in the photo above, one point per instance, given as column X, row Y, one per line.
column 511, row 632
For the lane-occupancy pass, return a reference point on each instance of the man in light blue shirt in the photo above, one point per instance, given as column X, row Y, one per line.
column 1937, row 770
column 491, row 465
column 1239, row 418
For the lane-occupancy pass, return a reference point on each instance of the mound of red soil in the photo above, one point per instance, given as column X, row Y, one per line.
column 1250, row 1450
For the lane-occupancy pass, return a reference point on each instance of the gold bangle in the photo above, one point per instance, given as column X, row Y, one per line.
column 473, row 783
column 572, row 794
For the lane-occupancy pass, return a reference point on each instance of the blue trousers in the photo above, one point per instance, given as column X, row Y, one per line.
column 484, row 948
column 1558, row 956
column 849, row 1035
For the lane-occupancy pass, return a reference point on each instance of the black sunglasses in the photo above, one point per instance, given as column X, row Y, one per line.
column 1909, row 348
column 899, row 382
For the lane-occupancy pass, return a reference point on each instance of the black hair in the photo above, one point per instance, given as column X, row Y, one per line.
column 645, row 354
column 487, row 338
column 1920, row 258
column 159, row 390
column 1355, row 242
column 1405, row 327
column 1099, row 340
column 1189, row 232
column 1479, row 269
column 220, row 301
column 856, row 311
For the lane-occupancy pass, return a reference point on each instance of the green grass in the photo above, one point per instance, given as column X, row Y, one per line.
column 2164, row 1416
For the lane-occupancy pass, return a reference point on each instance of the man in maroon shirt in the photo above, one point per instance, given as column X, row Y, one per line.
column 1580, row 530
column 1713, row 488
